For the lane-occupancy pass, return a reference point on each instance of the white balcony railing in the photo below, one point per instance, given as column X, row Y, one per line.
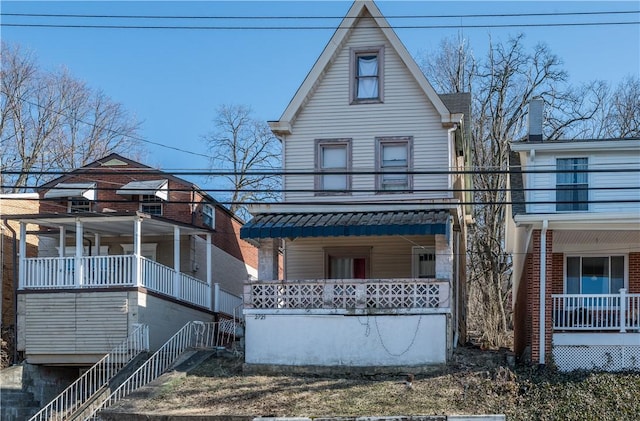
column 121, row 271
column 584, row 312
column 347, row 294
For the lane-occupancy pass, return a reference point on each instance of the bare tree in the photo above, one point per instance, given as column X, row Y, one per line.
column 51, row 121
column 240, row 146
column 503, row 83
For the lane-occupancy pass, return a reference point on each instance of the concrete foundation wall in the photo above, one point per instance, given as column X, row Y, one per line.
column 336, row 340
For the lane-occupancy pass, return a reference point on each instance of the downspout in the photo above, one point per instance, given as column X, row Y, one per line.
column 543, row 288
column 14, row 259
column 456, row 332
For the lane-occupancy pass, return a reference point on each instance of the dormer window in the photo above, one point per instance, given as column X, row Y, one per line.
column 367, row 70
column 209, row 216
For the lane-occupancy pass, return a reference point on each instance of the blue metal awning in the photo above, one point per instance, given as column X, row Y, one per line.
column 343, row 224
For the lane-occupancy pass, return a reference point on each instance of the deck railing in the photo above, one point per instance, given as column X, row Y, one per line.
column 93, row 380
column 585, row 312
column 193, row 335
column 345, row 294
column 120, row 271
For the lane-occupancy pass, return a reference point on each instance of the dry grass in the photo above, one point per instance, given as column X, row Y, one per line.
column 476, row 382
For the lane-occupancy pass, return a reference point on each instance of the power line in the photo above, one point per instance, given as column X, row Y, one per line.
column 214, row 28
column 234, row 17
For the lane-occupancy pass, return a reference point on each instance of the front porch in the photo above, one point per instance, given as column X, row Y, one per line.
column 596, row 331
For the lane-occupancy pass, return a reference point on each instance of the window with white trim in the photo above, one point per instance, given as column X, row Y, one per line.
column 333, row 161
column 367, row 70
column 572, row 186
column 594, row 274
column 151, row 204
column 209, row 215
column 79, row 204
column 424, row 262
column 393, row 162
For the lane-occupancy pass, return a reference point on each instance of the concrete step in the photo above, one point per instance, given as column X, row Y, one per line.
column 17, row 405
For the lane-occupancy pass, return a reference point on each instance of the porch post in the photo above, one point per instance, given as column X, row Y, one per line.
column 62, row 264
column 137, row 246
column 208, row 272
column 176, row 261
column 623, row 310
column 78, row 259
column 268, row 259
column 23, row 253
column 96, row 242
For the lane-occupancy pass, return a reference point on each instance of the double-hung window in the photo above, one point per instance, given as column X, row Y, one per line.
column 209, row 215
column 367, row 70
column 572, row 187
column 393, row 164
column 151, row 204
column 333, row 162
column 594, row 274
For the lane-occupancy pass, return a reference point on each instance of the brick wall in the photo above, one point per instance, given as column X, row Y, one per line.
column 634, row 273
column 521, row 319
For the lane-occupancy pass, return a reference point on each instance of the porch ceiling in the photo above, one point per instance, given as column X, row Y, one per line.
column 342, row 224
column 110, row 224
column 596, row 237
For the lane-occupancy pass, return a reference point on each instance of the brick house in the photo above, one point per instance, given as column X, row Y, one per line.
column 122, row 244
column 574, row 234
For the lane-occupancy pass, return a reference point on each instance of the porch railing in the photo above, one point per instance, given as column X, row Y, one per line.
column 120, row 271
column 348, row 294
column 584, row 312
column 93, row 380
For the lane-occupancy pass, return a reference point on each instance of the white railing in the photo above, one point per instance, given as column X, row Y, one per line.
column 94, row 379
column 347, row 294
column 615, row 312
column 48, row 272
column 107, row 270
column 157, row 277
column 193, row 335
column 195, row 291
column 226, row 302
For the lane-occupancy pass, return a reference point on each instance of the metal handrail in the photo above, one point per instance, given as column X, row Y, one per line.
column 94, row 379
column 193, row 335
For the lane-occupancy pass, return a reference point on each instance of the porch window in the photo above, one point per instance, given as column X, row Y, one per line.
column 347, row 263
column 594, row 274
column 367, row 70
column 572, row 193
column 151, row 204
column 333, row 161
column 424, row 262
column 393, row 156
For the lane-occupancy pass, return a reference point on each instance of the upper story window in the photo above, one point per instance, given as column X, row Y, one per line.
column 367, row 71
column 333, row 161
column 572, row 187
column 209, row 215
column 594, row 274
column 151, row 204
column 81, row 204
column 393, row 161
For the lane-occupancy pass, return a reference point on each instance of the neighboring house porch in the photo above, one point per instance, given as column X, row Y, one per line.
column 100, row 275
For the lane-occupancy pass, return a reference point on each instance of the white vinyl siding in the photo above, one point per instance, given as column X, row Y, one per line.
column 406, row 111
column 390, row 257
column 608, row 191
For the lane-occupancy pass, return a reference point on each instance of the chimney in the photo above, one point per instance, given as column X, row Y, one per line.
column 535, row 119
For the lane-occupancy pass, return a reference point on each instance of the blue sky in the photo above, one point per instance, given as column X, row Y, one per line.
column 173, row 80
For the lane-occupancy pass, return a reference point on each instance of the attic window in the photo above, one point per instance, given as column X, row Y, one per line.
column 367, row 70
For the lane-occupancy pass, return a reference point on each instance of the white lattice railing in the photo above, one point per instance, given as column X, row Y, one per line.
column 193, row 335
column 617, row 312
column 347, row 294
column 94, row 379
column 120, row 271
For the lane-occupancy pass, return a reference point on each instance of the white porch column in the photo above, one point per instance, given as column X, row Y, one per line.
column 444, row 257
column 137, row 246
column 208, row 272
column 268, row 259
column 176, row 261
column 62, row 264
column 96, row 242
column 22, row 250
column 78, row 259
